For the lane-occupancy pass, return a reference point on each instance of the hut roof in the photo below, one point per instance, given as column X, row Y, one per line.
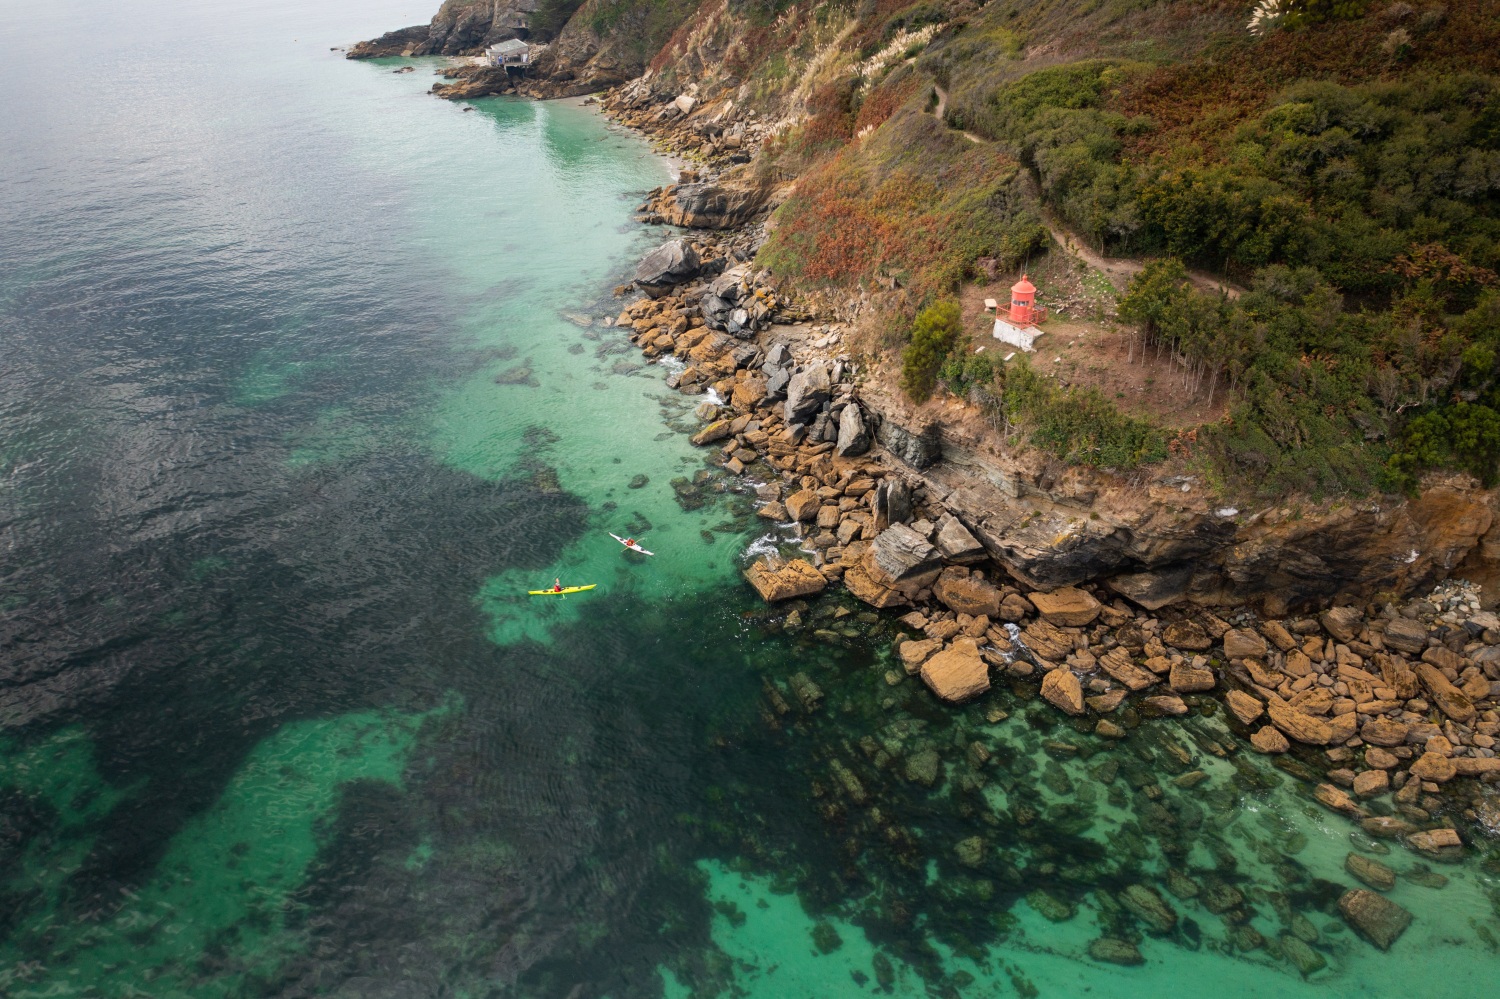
column 509, row 47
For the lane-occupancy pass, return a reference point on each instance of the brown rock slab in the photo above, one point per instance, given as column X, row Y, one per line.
column 803, row 505
column 1387, row 827
column 1450, row 700
column 1377, row 919
column 1336, row 799
column 1270, row 740
column 963, row 593
column 1106, row 702
column 794, row 578
column 1303, row 728
column 1118, row 665
column 1047, row 641
column 1406, row 635
column 1167, row 704
column 1371, row 872
column 914, row 654
column 1384, row 732
column 1278, row 636
column 1439, row 844
column 1062, row 690
column 1371, row 783
column 1434, row 767
column 1187, row 635
column 1244, row 707
column 1066, row 607
column 957, row 673
column 1241, row 643
column 877, row 595
column 1474, row 766
column 1343, row 623
column 1186, row 680
column 714, row 432
column 1015, row 608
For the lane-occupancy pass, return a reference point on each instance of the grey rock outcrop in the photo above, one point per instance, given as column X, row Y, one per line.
column 919, row 449
column 669, row 264
column 806, row 393
column 854, row 436
column 892, row 504
column 902, row 554
column 714, row 206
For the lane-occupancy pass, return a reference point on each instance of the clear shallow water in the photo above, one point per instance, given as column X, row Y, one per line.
column 275, row 717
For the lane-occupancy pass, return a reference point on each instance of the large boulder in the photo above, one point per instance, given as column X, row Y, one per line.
column 1188, row 636
column 794, row 578
column 859, row 581
column 714, row 206
column 957, row 673
column 1244, row 707
column 901, row 554
column 1377, row 919
column 1067, row 607
column 955, row 541
column 806, row 393
column 854, row 436
column 669, row 264
column 1371, row 872
column 1062, row 690
column 966, row 594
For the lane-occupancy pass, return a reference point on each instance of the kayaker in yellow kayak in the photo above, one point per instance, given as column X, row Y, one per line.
column 557, row 584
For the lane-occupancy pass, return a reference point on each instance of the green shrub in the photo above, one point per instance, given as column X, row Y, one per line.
column 933, row 336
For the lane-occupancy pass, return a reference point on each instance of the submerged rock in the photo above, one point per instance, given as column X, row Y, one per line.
column 1377, row 919
column 924, row 767
column 1371, row 872
column 1050, row 907
column 1142, row 902
column 1303, row 958
column 1112, row 950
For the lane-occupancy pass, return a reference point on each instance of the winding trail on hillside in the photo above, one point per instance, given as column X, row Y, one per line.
column 1119, row 270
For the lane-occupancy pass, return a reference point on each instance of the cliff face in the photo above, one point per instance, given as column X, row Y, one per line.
column 467, row 27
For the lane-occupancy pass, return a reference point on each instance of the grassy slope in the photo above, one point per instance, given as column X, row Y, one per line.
column 1349, row 171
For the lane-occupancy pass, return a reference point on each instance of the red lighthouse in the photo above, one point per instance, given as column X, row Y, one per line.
column 1023, row 310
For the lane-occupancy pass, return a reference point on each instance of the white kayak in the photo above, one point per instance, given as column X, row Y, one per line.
column 630, row 544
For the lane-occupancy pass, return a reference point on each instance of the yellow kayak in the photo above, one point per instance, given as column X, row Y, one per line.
column 562, row 592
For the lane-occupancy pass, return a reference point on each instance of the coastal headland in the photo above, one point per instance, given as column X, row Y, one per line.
column 1352, row 638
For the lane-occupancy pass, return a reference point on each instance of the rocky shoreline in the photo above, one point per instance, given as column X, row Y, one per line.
column 1389, row 712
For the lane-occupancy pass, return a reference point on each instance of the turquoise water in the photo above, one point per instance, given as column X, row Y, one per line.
column 304, row 380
